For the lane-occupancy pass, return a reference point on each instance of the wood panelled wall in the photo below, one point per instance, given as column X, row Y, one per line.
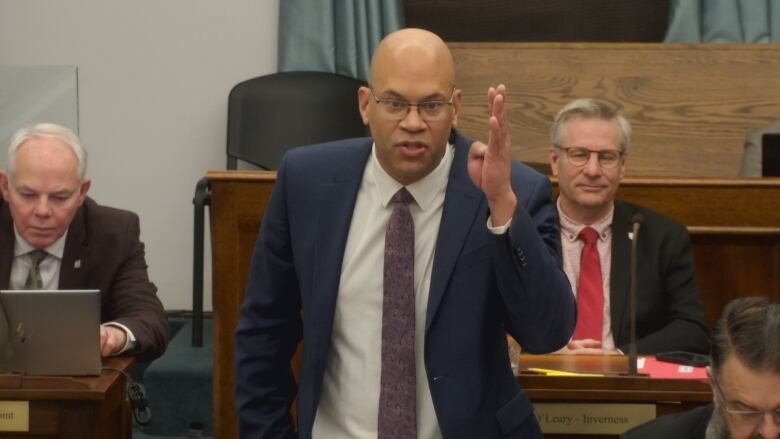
column 690, row 105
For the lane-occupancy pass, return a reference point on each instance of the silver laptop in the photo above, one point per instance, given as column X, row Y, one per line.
column 50, row 332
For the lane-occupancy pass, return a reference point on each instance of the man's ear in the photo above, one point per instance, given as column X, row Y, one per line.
column 554, row 161
column 456, row 104
column 4, row 186
column 85, row 184
column 364, row 96
column 710, row 381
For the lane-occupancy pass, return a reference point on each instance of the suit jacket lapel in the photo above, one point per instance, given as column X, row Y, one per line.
column 6, row 244
column 619, row 270
column 334, row 215
column 73, row 275
column 461, row 204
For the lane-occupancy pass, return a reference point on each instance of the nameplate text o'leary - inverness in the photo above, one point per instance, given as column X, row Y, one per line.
column 592, row 418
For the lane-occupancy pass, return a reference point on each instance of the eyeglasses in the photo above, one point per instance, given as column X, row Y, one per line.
column 397, row 109
column 579, row 156
column 748, row 416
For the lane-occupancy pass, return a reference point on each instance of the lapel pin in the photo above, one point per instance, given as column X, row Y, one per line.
column 77, row 264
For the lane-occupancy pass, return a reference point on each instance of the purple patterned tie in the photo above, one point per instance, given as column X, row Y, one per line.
column 398, row 394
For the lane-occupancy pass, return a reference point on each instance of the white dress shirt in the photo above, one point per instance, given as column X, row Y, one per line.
column 50, row 273
column 571, row 247
column 49, row 266
column 348, row 407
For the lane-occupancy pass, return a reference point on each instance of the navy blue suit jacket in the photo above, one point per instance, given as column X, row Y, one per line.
column 482, row 286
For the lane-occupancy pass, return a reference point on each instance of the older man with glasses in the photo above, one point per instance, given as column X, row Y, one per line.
column 745, row 379
column 590, row 141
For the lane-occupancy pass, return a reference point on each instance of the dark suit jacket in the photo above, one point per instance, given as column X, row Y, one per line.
column 106, row 242
column 670, row 313
column 687, row 425
column 482, row 285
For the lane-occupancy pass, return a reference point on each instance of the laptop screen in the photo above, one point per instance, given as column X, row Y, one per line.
column 50, row 332
column 770, row 155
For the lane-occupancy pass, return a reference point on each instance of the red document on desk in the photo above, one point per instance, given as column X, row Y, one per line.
column 663, row 369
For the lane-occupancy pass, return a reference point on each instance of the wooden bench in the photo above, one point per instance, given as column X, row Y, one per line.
column 690, row 105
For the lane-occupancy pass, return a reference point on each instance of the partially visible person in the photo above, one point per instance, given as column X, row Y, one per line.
column 52, row 236
column 744, row 376
column 590, row 141
column 751, row 155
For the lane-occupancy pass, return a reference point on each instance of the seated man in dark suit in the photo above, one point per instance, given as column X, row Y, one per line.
column 745, row 380
column 52, row 236
column 590, row 147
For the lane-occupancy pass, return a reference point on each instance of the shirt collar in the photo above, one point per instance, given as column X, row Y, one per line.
column 424, row 191
column 21, row 247
column 571, row 229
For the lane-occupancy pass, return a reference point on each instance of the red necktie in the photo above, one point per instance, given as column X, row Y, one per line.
column 398, row 394
column 590, row 291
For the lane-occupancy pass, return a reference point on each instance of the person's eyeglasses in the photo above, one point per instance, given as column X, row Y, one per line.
column 579, row 156
column 746, row 416
column 398, row 109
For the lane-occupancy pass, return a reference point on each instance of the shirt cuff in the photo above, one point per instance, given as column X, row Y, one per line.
column 130, row 341
column 500, row 230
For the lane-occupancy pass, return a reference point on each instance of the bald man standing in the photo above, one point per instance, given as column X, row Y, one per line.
column 401, row 261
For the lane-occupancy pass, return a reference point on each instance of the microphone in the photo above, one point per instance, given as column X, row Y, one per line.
column 636, row 222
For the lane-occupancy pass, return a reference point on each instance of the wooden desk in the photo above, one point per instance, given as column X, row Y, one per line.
column 666, row 395
column 735, row 227
column 238, row 202
column 73, row 407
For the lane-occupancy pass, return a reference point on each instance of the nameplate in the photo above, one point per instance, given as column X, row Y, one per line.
column 555, row 418
column 14, row 415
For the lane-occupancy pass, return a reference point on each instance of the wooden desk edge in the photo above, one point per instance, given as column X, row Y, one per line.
column 39, row 387
column 658, row 181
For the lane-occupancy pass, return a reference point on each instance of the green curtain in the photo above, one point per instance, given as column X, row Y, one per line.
column 724, row 21
column 334, row 35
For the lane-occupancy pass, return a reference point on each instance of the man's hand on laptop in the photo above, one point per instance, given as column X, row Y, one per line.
column 112, row 340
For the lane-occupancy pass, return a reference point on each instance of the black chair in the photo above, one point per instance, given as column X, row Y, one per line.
column 269, row 114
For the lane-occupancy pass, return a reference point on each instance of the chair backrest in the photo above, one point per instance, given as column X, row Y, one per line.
column 269, row 114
